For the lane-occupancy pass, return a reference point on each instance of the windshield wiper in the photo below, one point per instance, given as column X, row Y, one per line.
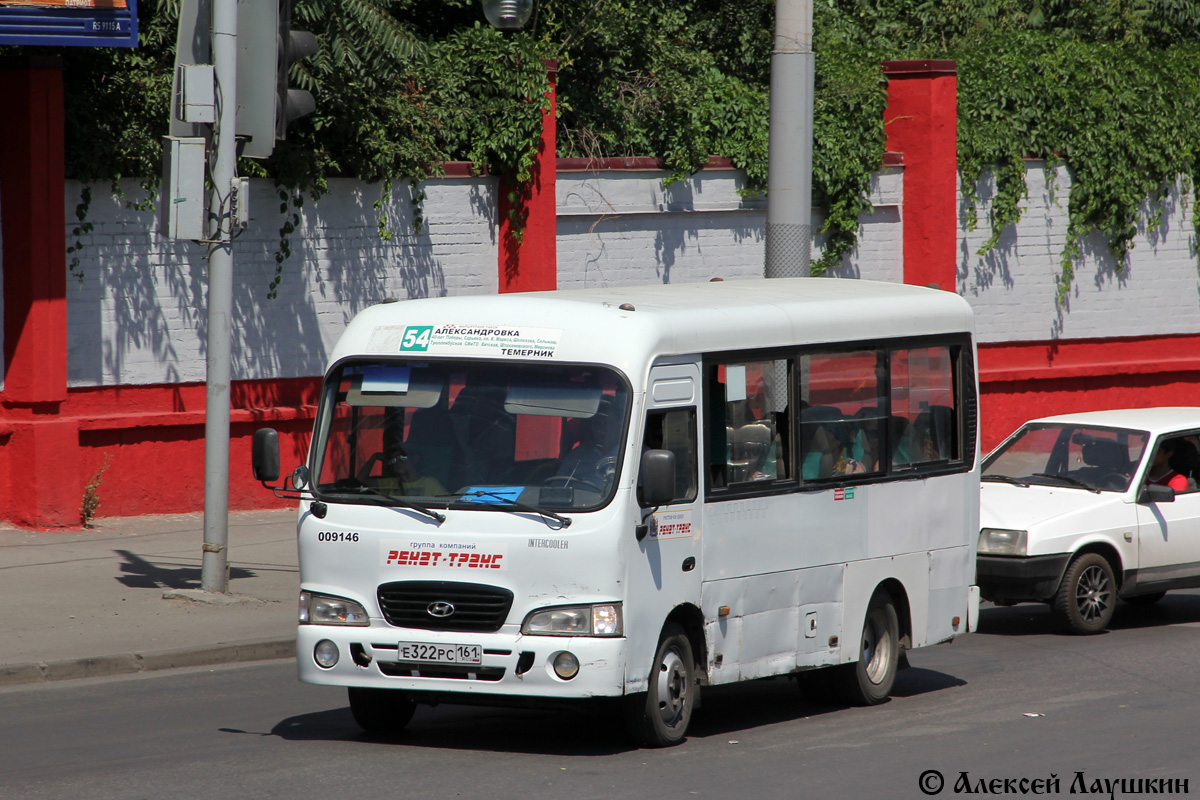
column 517, row 504
column 391, row 498
column 1005, row 479
column 1069, row 480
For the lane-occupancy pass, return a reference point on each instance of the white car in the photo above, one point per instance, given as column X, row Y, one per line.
column 1081, row 509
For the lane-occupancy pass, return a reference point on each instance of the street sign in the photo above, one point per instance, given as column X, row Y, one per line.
column 69, row 23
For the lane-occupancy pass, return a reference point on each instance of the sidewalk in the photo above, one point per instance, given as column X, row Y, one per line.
column 124, row 597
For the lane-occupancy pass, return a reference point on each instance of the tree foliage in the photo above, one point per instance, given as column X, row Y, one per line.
column 1111, row 87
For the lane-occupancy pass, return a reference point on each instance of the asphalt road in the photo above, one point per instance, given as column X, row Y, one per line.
column 1015, row 701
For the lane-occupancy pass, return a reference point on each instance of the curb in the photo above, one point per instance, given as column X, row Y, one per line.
column 129, row 663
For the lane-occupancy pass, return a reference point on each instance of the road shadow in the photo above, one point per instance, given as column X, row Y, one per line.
column 587, row 731
column 138, row 573
column 474, row 728
column 916, row 681
column 1036, row 619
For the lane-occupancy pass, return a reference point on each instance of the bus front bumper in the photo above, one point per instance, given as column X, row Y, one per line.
column 513, row 665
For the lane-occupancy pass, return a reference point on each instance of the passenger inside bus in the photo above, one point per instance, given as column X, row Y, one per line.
column 487, row 434
column 404, row 474
column 431, row 440
column 592, row 461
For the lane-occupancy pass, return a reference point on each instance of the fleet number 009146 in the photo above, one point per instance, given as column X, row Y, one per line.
column 337, row 536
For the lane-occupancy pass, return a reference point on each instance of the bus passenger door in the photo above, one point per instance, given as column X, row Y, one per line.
column 671, row 544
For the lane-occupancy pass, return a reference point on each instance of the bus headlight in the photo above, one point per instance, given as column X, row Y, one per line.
column 1001, row 542
column 322, row 609
column 602, row 619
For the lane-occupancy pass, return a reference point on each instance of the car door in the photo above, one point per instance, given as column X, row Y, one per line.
column 1168, row 536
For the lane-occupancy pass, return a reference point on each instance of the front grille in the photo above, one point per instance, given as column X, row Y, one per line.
column 408, row 669
column 476, row 608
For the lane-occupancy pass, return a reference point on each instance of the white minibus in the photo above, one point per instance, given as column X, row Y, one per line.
column 633, row 493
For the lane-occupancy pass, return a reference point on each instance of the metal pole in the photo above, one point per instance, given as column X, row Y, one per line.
column 789, row 154
column 214, row 576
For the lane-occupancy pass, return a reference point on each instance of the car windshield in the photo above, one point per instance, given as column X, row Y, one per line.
column 471, row 434
column 1077, row 456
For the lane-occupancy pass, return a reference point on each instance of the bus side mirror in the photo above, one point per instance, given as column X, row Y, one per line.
column 1153, row 493
column 658, row 478
column 264, row 455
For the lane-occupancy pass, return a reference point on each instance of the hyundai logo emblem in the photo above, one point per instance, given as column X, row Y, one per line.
column 440, row 609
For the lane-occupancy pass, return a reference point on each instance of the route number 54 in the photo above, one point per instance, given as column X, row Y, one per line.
column 416, row 338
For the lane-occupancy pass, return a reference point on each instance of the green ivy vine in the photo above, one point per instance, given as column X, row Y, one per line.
column 1124, row 119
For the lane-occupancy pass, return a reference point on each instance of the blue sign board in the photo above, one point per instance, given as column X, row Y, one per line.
column 80, row 23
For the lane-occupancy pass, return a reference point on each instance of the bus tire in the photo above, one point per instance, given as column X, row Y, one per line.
column 1087, row 595
column 384, row 712
column 869, row 680
column 660, row 717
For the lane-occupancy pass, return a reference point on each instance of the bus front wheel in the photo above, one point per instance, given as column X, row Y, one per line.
column 660, row 717
column 869, row 680
column 384, row 712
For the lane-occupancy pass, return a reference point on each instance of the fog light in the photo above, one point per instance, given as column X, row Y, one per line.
column 566, row 665
column 325, row 654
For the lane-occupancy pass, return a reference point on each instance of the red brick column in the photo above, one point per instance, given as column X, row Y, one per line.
column 41, row 453
column 922, row 125
column 532, row 264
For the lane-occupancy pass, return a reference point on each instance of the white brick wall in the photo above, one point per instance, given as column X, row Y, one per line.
column 139, row 316
column 1013, row 287
column 625, row 228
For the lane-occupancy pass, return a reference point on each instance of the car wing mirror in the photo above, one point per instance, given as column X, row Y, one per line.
column 1153, row 493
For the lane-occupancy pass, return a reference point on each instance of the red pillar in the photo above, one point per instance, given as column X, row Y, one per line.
column 532, row 264
column 42, row 451
column 922, row 125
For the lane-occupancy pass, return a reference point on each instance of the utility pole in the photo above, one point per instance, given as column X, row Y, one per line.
column 208, row 131
column 789, row 153
column 214, row 575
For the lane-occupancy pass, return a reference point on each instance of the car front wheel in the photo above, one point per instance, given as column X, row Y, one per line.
column 1087, row 595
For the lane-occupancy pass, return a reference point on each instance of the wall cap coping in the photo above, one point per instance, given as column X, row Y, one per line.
column 919, row 68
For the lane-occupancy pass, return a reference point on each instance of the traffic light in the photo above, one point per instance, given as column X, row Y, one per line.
column 291, row 104
column 267, row 47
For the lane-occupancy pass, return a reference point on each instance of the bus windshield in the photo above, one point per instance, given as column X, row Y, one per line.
column 471, row 434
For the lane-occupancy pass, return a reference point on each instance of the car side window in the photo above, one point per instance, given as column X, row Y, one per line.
column 1176, row 463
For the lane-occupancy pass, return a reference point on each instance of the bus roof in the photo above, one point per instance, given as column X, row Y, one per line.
column 628, row 326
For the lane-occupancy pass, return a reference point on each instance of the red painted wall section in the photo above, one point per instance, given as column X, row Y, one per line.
column 146, row 443
column 32, row 185
column 531, row 265
column 40, row 446
column 922, row 125
column 1020, row 381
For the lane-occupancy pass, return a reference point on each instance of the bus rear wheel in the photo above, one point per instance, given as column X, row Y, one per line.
column 384, row 712
column 869, row 680
column 660, row 717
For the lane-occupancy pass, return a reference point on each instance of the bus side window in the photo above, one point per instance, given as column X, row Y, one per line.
column 842, row 414
column 748, row 432
column 924, row 407
column 675, row 430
